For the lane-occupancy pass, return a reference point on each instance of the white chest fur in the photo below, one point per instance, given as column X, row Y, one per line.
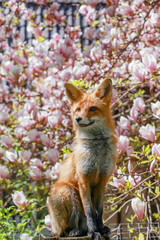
column 99, row 157
column 99, row 152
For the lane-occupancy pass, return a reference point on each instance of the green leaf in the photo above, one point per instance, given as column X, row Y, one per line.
column 1, row 203
column 129, row 220
column 40, row 39
column 66, row 150
column 95, row 23
column 156, row 215
column 143, row 162
column 141, row 236
column 157, row 190
column 148, row 184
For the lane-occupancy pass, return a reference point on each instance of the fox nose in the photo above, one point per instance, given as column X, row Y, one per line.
column 78, row 119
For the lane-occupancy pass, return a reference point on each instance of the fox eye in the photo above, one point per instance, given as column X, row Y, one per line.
column 78, row 110
column 92, row 109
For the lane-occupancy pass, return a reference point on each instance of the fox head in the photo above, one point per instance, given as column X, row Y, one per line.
column 88, row 110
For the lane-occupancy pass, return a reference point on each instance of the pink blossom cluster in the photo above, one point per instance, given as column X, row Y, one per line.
column 35, row 126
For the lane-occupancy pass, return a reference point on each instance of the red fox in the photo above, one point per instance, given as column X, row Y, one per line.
column 75, row 203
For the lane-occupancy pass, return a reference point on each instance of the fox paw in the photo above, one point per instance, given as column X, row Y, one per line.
column 104, row 230
column 75, row 233
column 94, row 235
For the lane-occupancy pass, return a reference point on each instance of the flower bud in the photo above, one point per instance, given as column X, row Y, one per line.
column 4, row 172
column 138, row 207
column 19, row 199
column 148, row 132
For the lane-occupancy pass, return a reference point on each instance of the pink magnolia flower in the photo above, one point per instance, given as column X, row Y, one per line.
column 2, row 129
column 150, row 62
column 49, row 175
column 129, row 151
column 3, row 117
column 119, row 181
column 19, row 199
column 19, row 132
column 124, row 123
column 80, row 71
column 11, row 156
column 123, row 143
column 34, row 135
column 25, row 155
column 156, row 149
column 115, row 43
column 73, row 32
column 64, row 49
column 55, row 170
column 66, row 74
column 46, row 140
column 148, row 132
column 6, row 67
column 126, row 10
column 156, row 152
column 134, row 113
column 30, row 106
column 47, row 222
column 138, row 4
column 112, row 2
column 52, row 174
column 26, row 122
column 20, row 59
column 134, row 180
column 152, row 165
column 130, row 167
column 36, row 162
column 22, row 79
column 90, row 33
column 92, row 3
column 138, row 207
column 96, row 54
column 41, row 116
column 121, row 131
column 83, row 9
column 139, row 104
column 4, row 172
column 6, row 141
column 35, row 173
column 156, row 108
column 138, row 70
column 52, row 156
column 55, row 119
column 55, row 6
column 111, row 10
column 1, row 152
column 14, row 73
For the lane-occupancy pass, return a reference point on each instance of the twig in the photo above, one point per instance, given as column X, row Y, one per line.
column 117, row 210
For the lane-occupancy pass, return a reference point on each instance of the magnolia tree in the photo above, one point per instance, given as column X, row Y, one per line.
column 35, row 128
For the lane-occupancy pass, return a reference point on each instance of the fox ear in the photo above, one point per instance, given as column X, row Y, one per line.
column 73, row 93
column 104, row 90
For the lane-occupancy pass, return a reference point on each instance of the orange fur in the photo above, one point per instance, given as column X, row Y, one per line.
column 76, row 199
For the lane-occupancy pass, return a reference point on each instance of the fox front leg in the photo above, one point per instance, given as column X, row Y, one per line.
column 85, row 194
column 98, row 203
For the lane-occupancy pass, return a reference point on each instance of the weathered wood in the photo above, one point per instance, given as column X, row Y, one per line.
column 71, row 238
column 76, row 238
